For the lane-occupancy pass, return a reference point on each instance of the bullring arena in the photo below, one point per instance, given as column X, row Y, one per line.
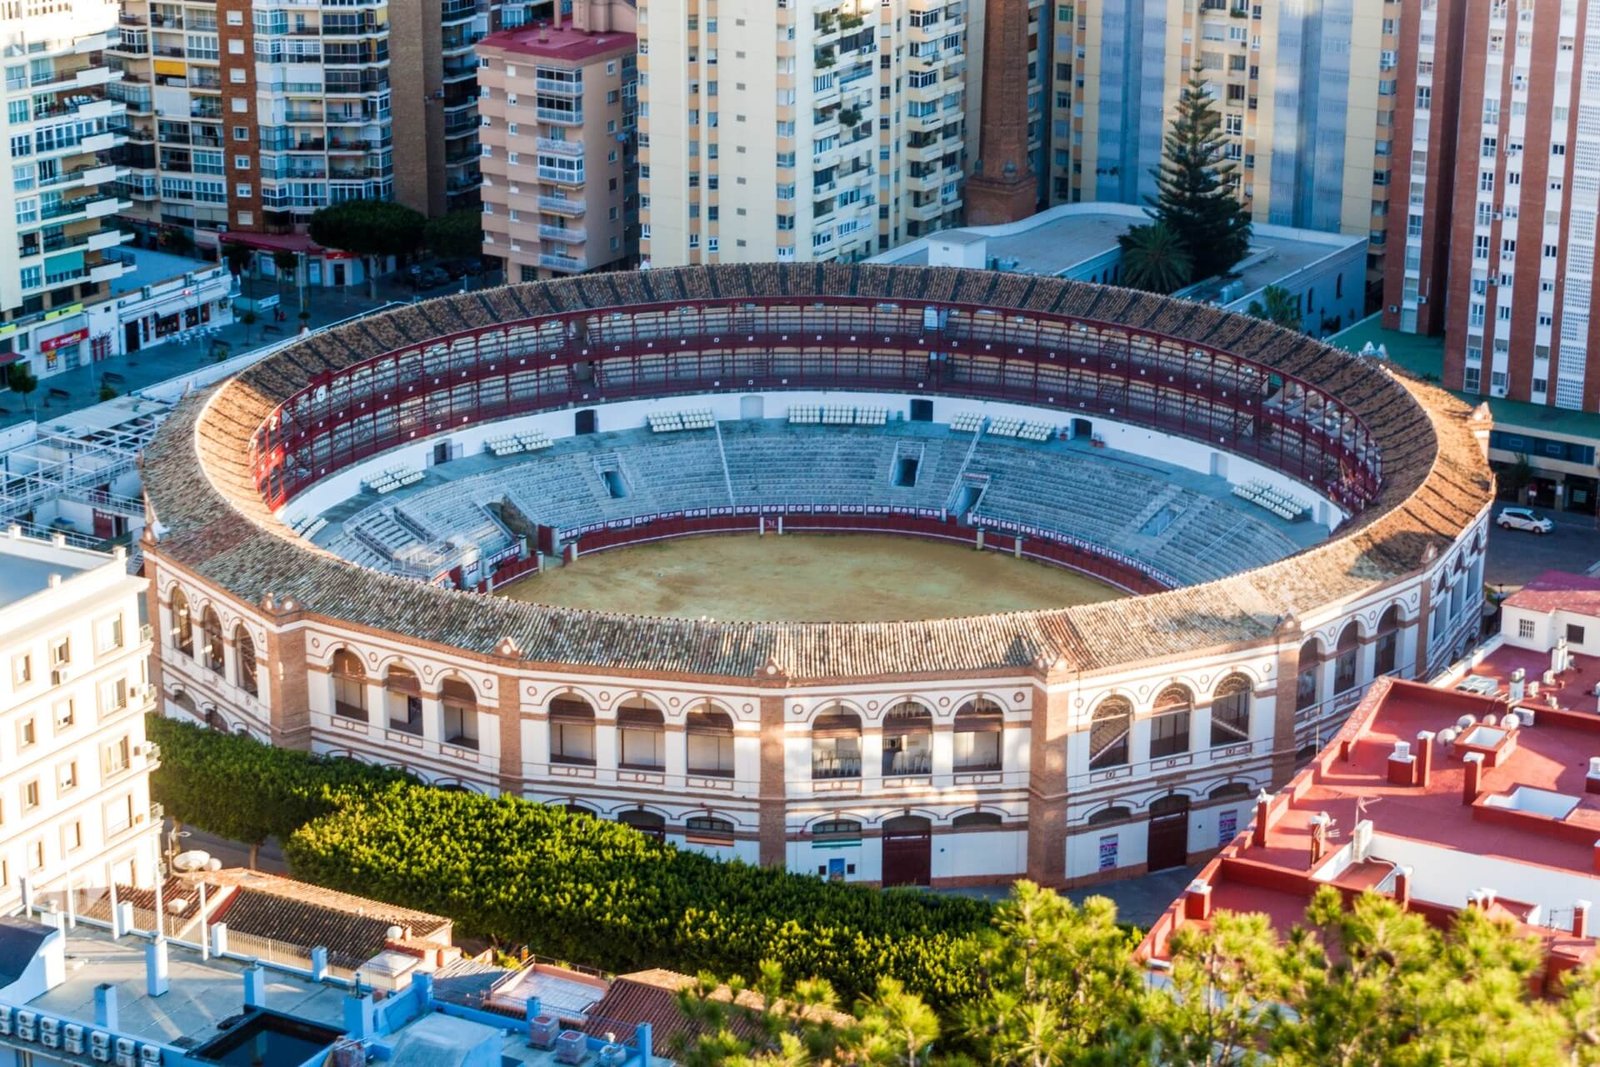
column 350, row 540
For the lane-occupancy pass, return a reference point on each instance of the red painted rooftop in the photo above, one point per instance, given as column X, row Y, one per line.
column 559, row 42
column 1559, row 591
column 1350, row 781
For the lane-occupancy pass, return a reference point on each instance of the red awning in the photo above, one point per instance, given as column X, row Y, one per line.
column 272, row 242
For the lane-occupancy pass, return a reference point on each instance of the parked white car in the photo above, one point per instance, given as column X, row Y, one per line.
column 1524, row 519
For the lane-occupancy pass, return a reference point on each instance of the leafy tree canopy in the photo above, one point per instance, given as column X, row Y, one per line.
column 458, row 235
column 368, row 228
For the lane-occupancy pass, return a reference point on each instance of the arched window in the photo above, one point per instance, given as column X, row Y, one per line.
column 1169, row 724
column 836, row 745
column 641, row 738
column 710, row 742
column 979, row 726
column 349, row 685
column 571, row 731
column 907, row 740
column 182, row 624
column 1108, row 734
column 579, row 810
column 1116, row 813
column 246, row 656
column 403, row 695
column 708, row 830
column 1230, row 789
column 1230, row 711
column 836, row 830
column 211, row 637
column 646, row 822
column 1388, row 644
column 460, row 712
column 1346, row 655
column 1305, row 690
column 977, row 820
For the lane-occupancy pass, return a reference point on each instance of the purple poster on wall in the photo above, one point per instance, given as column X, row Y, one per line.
column 1108, row 852
column 1227, row 826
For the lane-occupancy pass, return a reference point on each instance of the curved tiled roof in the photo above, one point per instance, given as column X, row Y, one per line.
column 215, row 524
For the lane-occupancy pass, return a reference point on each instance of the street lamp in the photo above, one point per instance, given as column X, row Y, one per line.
column 174, row 838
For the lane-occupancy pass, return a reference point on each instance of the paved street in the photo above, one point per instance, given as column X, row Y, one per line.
column 156, row 364
column 1515, row 556
column 231, row 853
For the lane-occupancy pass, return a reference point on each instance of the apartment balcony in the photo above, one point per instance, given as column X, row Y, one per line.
column 87, row 207
column 559, row 117
column 571, row 209
column 567, row 264
column 130, row 44
column 559, row 86
column 90, row 174
column 457, row 70
column 458, row 10
column 561, row 235
column 559, row 148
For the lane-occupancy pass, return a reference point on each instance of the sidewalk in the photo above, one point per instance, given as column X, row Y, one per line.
column 160, row 362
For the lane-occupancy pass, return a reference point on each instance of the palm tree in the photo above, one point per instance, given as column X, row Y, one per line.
column 1278, row 306
column 1155, row 259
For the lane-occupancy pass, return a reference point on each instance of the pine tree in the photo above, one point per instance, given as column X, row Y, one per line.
column 1196, row 184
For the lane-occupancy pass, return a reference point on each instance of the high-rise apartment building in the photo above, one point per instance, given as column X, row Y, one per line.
column 1306, row 92
column 252, row 116
column 74, row 764
column 560, row 174
column 60, row 129
column 1502, row 160
column 248, row 117
column 816, row 132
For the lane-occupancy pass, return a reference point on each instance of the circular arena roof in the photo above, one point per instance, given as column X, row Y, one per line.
column 1400, row 456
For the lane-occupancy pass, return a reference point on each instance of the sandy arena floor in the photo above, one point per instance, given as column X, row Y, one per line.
column 814, row 578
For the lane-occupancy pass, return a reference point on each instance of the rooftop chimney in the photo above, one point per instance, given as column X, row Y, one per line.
column 1472, row 764
column 1402, row 886
column 1580, row 918
column 105, row 1007
column 1402, row 768
column 1519, row 684
column 1258, row 834
column 1424, row 772
column 1591, row 781
column 1197, row 900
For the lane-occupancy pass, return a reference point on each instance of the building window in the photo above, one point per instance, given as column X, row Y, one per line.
column 349, row 686
column 30, row 795
column 1346, row 654
column 710, row 742
column 460, row 712
column 907, row 740
column 27, row 734
column 1388, row 650
column 1525, row 628
column 836, row 745
column 1230, row 711
column 1305, row 695
column 245, row 653
column 114, row 757
column 67, row 777
column 211, row 640
column 1108, row 734
column 403, row 700
column 708, row 829
column 63, row 716
column 1169, row 725
column 113, row 696
column 108, row 635
column 1574, row 634
column 979, row 728
column 60, row 652
column 641, row 738
column 571, row 731
column 182, row 625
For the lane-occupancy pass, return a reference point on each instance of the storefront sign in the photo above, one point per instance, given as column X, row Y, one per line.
column 64, row 340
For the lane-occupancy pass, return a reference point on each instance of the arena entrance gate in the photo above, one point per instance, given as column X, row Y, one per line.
column 1169, row 833
column 907, row 851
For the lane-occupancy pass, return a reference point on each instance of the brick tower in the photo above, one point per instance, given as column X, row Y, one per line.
column 1002, row 187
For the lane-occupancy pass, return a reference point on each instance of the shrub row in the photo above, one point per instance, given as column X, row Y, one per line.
column 568, row 886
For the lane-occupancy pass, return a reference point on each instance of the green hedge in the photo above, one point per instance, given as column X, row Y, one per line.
column 238, row 788
column 568, row 886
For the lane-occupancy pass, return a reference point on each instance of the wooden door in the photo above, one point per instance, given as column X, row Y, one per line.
column 1169, row 833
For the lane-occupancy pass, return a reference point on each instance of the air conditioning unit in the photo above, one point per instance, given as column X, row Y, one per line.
column 612, row 1054
column 542, row 1032
column 72, row 1038
column 5, row 1020
column 125, row 1050
column 50, row 1033
column 27, row 1025
column 571, row 1047
column 149, row 1054
column 100, row 1047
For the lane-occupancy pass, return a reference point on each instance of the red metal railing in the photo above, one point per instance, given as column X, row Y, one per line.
column 1075, row 367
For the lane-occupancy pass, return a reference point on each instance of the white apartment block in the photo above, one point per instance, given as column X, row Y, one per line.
column 74, row 764
column 816, row 130
column 57, row 132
